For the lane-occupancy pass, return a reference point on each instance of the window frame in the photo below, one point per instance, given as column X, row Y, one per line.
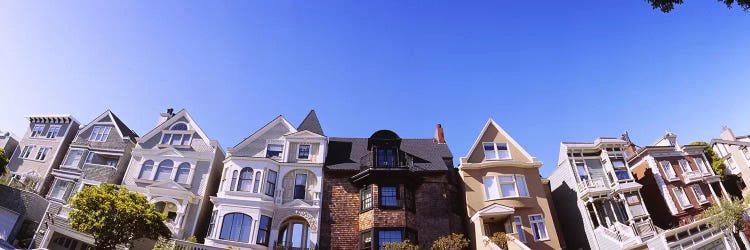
column 685, row 164
column 299, row 151
column 38, row 130
column 671, row 174
column 366, row 202
column 240, row 180
column 696, row 188
column 41, row 153
column 362, row 244
column 100, row 133
column 271, row 185
column 296, row 186
column 256, row 182
column 496, row 150
column 376, row 235
column 679, row 201
column 518, row 228
column 267, row 230
column 65, row 192
column 187, row 174
column 232, row 228
column 278, row 155
column 56, row 129
column 396, row 196
column 26, row 152
column 171, row 170
column 701, row 165
column 499, row 184
column 142, row 176
column 535, row 221
column 212, row 223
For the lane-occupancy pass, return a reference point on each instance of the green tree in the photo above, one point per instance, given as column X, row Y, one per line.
column 728, row 215
column 116, row 216
column 451, row 242
column 716, row 162
column 668, row 5
column 3, row 162
column 405, row 245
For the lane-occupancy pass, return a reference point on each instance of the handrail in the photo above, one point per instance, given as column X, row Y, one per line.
column 586, row 184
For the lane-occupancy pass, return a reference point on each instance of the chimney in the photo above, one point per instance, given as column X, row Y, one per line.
column 439, row 136
column 727, row 134
column 165, row 116
column 630, row 147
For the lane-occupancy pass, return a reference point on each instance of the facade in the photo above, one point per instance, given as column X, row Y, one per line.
column 678, row 185
column 177, row 167
column 599, row 201
column 42, row 148
column 100, row 153
column 21, row 213
column 8, row 142
column 269, row 197
column 388, row 189
column 736, row 155
column 505, row 193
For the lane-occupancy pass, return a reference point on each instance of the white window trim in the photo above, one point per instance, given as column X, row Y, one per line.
column 176, row 132
column 498, row 183
column 281, row 155
column 515, row 228
column 77, row 166
column 496, row 151
column 679, row 202
column 671, row 170
column 88, row 182
column 57, row 133
column 585, row 168
column 41, row 132
column 687, row 164
column 309, row 154
column 54, row 184
column 103, row 130
column 697, row 197
column 28, row 156
column 531, row 223
column 44, row 156
column 701, row 165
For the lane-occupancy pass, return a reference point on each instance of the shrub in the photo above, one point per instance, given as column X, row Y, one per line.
column 451, row 242
column 405, row 245
column 499, row 239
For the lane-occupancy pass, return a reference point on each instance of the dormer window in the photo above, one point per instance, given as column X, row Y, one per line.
column 496, row 151
column 274, row 150
column 176, row 139
column 385, row 157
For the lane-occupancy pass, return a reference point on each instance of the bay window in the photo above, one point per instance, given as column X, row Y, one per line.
column 183, row 173
column 61, row 189
column 164, row 171
column 236, row 227
column 246, row 179
column 146, row 170
column 389, row 197
column 264, row 230
column 74, row 157
column 505, row 186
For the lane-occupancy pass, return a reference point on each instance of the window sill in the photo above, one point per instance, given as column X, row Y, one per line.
column 53, row 199
column 703, row 202
column 686, row 207
column 363, row 211
column 174, row 146
column 541, row 240
column 391, row 207
column 511, row 197
column 506, row 159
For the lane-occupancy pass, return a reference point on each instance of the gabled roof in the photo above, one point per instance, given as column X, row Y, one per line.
column 120, row 127
column 493, row 209
column 311, row 123
column 347, row 153
column 178, row 115
column 259, row 132
column 511, row 141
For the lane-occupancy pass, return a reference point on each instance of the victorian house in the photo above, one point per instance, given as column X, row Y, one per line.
column 269, row 197
column 505, row 193
column 99, row 154
column 599, row 201
column 384, row 189
column 678, row 185
column 735, row 151
column 177, row 167
column 41, row 149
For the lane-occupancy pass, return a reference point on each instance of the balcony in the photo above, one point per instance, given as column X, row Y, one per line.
column 690, row 177
column 689, row 236
column 592, row 188
column 369, row 161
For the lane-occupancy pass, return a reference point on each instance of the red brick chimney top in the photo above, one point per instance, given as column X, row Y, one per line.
column 439, row 136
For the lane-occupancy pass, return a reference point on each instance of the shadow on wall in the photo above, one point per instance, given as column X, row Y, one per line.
column 565, row 200
column 654, row 201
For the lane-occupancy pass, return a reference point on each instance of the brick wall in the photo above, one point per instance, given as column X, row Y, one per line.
column 339, row 219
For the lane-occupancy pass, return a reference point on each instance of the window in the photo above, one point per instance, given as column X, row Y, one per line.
column 386, row 236
column 685, row 166
column 164, row 171
column 183, row 173
column 300, row 183
column 621, row 171
column 274, row 150
column 211, row 224
column 389, row 196
column 42, row 153
column 53, row 131
column 682, row 197
column 304, row 152
column 701, row 165
column 179, row 126
column 74, row 157
column 236, row 227
column 698, row 191
column 61, row 189
column 409, row 198
column 365, row 198
column 99, row 133
column 264, row 230
column 633, row 198
column 246, row 179
column 38, row 130
column 668, row 170
column 518, row 226
column 490, row 188
column 234, row 181
column 365, row 240
column 521, row 182
column 176, row 139
column 146, row 170
column 295, row 235
column 538, row 229
column 496, row 151
column 26, row 151
column 271, row 183
column 583, row 175
column 256, row 186
column 730, row 163
column 385, row 157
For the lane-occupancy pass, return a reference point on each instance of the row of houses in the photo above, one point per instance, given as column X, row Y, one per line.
column 289, row 186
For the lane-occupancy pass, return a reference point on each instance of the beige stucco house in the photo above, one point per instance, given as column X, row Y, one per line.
column 505, row 193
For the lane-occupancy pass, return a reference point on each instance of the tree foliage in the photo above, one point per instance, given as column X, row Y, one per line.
column 727, row 214
column 717, row 163
column 405, row 245
column 668, row 5
column 116, row 216
column 3, row 161
column 451, row 242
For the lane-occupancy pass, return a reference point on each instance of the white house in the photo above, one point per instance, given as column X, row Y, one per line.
column 269, row 197
column 177, row 166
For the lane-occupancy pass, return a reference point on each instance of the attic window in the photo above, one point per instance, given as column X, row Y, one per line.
column 496, row 151
column 179, row 126
column 100, row 133
column 274, row 150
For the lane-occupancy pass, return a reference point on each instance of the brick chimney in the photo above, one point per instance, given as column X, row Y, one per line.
column 439, row 136
column 630, row 147
column 727, row 134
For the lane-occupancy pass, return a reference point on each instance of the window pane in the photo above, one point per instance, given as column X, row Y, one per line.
column 519, row 228
column 185, row 140
column 146, row 169
column 73, row 158
column 385, row 236
column 176, row 139
column 257, row 182
column 489, row 151
column 165, row 139
column 509, row 190
column 490, row 188
column 164, row 171
column 521, row 181
column 618, row 164
column 182, row 173
column 505, row 178
column 245, row 181
column 388, row 196
column 300, row 183
column 304, row 152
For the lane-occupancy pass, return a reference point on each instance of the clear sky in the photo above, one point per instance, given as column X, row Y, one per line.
column 546, row 71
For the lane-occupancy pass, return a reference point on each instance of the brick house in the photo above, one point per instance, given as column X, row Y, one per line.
column 388, row 189
column 678, row 185
column 99, row 154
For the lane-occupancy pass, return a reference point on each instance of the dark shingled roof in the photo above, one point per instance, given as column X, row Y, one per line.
column 126, row 132
column 311, row 123
column 345, row 154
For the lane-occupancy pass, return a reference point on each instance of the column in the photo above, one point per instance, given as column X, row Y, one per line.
column 596, row 213
column 627, row 208
column 612, row 207
column 724, row 191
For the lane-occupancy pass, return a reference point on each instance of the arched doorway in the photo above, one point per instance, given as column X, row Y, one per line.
column 295, row 235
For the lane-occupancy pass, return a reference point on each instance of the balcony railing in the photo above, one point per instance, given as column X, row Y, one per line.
column 587, row 185
column 690, row 235
column 368, row 161
column 643, row 227
column 690, row 177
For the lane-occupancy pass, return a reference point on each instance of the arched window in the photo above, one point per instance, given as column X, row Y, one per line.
column 146, row 170
column 183, row 171
column 164, row 171
column 179, row 126
column 246, row 179
column 257, row 182
column 295, row 235
column 234, row 180
column 236, row 227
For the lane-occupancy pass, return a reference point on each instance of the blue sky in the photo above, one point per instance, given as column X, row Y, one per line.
column 546, row 71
